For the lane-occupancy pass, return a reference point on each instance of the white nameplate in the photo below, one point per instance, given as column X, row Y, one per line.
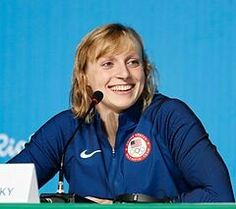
column 18, row 183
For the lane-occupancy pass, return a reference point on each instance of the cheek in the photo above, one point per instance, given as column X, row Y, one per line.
column 92, row 80
column 142, row 80
column 97, row 81
column 140, row 76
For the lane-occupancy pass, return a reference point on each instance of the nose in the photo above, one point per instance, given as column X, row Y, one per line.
column 123, row 71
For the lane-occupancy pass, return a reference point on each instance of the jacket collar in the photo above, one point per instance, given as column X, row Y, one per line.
column 127, row 119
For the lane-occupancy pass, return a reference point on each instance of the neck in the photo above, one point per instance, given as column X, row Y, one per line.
column 110, row 120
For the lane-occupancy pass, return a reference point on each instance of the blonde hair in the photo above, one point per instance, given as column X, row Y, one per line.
column 101, row 41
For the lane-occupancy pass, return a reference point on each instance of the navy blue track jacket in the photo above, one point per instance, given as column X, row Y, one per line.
column 162, row 152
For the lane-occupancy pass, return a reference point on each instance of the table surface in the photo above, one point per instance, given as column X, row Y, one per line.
column 120, row 206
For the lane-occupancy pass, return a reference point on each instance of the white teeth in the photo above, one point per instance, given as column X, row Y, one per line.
column 121, row 88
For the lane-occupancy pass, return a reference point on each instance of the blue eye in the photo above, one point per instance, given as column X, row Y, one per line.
column 107, row 65
column 133, row 63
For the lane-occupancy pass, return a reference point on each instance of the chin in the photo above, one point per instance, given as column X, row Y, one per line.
column 123, row 107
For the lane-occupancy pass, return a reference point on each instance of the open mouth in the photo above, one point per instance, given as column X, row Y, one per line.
column 122, row 88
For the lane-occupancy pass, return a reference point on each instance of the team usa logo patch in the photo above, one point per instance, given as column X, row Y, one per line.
column 137, row 147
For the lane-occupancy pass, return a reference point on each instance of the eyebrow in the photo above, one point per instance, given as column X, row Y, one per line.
column 128, row 55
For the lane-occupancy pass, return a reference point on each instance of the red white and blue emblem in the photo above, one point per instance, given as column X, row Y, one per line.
column 137, row 147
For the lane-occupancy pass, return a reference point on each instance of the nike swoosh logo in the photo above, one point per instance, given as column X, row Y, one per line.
column 85, row 155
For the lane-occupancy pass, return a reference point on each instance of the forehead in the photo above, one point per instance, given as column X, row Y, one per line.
column 109, row 47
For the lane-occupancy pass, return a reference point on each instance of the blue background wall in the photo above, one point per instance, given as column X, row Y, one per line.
column 192, row 43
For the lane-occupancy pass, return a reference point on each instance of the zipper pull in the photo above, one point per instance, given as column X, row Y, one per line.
column 113, row 152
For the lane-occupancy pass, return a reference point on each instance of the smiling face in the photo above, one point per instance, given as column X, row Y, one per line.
column 111, row 59
column 119, row 75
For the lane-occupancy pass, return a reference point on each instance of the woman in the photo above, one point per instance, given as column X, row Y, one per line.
column 135, row 140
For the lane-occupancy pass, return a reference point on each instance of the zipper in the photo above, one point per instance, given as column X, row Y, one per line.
column 113, row 152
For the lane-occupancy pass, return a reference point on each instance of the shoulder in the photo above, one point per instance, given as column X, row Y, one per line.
column 176, row 122
column 64, row 120
column 63, row 116
column 169, row 104
column 171, row 108
column 57, row 129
